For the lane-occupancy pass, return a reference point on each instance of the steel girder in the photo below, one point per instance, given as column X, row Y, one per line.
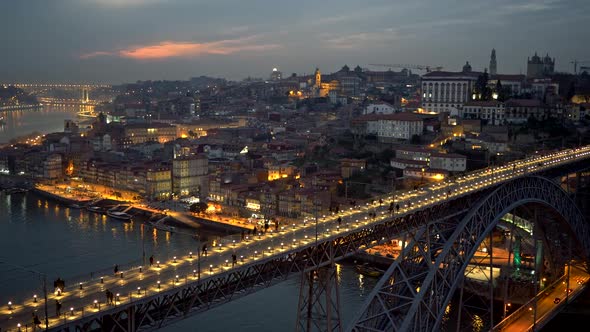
column 172, row 305
column 319, row 301
column 416, row 289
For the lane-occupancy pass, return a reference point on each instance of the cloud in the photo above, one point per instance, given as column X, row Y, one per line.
column 124, row 3
column 176, row 49
column 530, row 6
column 355, row 40
column 95, row 54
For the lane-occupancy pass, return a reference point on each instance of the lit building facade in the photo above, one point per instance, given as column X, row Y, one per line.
column 159, row 182
column 53, row 167
column 152, row 132
column 190, row 175
column 448, row 91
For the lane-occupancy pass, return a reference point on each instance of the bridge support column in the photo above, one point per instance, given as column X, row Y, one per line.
column 131, row 319
column 319, row 301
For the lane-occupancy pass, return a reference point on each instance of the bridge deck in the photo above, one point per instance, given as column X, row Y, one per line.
column 140, row 283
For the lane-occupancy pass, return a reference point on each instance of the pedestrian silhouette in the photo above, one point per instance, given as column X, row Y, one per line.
column 339, row 220
column 151, row 260
column 205, row 249
column 234, row 260
column 116, row 269
column 36, row 321
column 57, row 308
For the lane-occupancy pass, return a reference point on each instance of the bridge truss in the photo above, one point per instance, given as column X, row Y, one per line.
column 208, row 291
column 169, row 306
column 417, row 292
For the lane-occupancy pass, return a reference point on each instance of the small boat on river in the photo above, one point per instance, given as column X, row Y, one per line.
column 369, row 271
column 119, row 215
column 97, row 209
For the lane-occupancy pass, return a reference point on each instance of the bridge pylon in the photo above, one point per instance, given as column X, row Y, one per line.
column 319, row 301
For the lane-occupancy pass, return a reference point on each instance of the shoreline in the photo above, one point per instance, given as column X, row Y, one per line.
column 176, row 217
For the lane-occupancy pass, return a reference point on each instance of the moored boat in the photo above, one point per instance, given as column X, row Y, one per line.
column 369, row 271
column 96, row 209
column 119, row 215
column 16, row 191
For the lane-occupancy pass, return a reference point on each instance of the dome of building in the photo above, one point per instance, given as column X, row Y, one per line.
column 467, row 67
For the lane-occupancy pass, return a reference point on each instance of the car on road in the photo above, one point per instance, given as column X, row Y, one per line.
column 557, row 300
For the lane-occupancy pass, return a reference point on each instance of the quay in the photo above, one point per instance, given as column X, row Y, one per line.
column 181, row 218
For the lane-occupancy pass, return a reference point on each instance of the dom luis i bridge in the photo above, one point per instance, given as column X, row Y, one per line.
column 67, row 94
column 500, row 249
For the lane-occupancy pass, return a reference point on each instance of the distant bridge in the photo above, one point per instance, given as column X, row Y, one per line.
column 58, row 86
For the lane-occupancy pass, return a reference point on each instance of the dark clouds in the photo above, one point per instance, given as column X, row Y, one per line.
column 126, row 40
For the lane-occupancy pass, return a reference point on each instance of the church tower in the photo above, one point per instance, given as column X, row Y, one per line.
column 318, row 78
column 493, row 64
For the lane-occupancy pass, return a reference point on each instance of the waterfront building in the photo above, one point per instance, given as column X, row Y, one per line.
column 53, row 167
column 159, row 182
column 190, row 175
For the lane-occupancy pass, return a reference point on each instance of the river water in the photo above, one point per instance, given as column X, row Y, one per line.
column 41, row 236
column 47, row 119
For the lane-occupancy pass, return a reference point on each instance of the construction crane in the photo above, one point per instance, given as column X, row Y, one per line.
column 576, row 63
column 419, row 67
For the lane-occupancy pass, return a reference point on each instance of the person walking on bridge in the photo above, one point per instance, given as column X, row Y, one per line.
column 205, row 249
column 57, row 308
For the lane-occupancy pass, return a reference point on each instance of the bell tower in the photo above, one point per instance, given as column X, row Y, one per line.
column 493, row 64
column 318, row 78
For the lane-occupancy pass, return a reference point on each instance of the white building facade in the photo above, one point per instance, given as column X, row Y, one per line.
column 447, row 91
column 389, row 127
column 379, row 108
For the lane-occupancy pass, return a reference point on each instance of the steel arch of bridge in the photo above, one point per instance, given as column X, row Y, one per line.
column 415, row 291
column 172, row 305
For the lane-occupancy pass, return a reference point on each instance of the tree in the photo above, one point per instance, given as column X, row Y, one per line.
column 481, row 89
column 501, row 91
